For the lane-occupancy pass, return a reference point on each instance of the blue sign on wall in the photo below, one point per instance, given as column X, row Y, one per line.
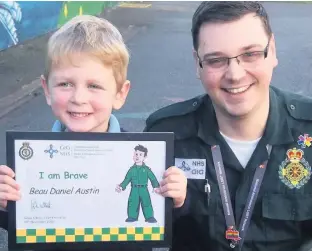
column 25, row 20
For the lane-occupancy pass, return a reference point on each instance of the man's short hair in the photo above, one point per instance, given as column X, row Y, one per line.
column 141, row 149
column 220, row 12
column 93, row 36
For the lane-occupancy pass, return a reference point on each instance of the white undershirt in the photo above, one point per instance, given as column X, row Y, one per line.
column 242, row 149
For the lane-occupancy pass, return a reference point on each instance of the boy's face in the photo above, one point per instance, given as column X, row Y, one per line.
column 138, row 157
column 82, row 95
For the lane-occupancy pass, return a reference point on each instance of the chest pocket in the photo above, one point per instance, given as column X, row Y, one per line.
column 199, row 198
column 283, row 215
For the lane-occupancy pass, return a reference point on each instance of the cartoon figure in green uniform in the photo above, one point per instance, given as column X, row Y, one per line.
column 138, row 175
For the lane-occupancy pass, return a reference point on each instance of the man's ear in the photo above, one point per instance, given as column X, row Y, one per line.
column 272, row 51
column 121, row 95
column 196, row 59
column 46, row 90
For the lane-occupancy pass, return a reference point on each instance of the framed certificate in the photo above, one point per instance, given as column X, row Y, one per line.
column 89, row 190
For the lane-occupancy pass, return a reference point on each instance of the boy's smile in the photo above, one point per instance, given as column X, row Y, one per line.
column 82, row 93
column 79, row 114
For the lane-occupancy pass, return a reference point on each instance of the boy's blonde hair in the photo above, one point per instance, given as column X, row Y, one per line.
column 92, row 36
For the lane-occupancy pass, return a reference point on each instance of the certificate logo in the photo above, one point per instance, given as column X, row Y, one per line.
column 26, row 152
column 51, row 151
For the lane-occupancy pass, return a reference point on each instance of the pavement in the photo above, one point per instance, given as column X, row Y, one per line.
column 161, row 68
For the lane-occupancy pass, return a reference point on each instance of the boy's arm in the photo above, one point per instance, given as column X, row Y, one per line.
column 127, row 179
column 4, row 219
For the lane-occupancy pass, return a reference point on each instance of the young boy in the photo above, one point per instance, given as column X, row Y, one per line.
column 86, row 75
column 85, row 79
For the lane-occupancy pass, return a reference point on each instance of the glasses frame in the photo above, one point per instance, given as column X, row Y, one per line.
column 265, row 52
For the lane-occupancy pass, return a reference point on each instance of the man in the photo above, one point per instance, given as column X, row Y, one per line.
column 247, row 142
column 138, row 175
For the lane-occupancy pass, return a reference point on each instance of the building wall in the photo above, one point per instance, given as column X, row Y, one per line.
column 21, row 21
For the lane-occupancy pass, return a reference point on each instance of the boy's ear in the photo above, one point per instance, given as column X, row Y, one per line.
column 45, row 89
column 121, row 95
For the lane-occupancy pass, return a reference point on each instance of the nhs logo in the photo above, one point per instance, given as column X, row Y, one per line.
column 193, row 168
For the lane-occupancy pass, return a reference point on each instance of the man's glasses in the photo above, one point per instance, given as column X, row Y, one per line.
column 247, row 60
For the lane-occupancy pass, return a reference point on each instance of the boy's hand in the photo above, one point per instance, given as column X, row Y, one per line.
column 9, row 189
column 174, row 185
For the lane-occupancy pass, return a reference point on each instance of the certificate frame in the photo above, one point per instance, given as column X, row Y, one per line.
column 166, row 242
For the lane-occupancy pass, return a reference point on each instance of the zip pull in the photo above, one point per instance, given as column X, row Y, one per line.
column 207, row 190
column 207, row 187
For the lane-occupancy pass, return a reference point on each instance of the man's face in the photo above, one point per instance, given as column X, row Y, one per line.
column 238, row 89
column 138, row 157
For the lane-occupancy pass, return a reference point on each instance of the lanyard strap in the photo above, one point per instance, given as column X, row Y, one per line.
column 232, row 234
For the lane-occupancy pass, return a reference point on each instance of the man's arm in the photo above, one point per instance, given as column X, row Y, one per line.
column 185, row 209
column 4, row 219
column 307, row 230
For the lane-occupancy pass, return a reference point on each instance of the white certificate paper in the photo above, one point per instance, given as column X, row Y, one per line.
column 89, row 191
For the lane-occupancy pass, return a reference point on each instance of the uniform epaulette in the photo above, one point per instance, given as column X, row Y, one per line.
column 298, row 106
column 176, row 109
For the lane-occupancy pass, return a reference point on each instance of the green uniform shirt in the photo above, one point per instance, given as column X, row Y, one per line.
column 282, row 216
column 139, row 175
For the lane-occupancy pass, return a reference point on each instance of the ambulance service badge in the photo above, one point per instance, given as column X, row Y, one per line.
column 294, row 171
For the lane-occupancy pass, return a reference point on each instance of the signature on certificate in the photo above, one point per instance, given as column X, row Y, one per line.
column 38, row 205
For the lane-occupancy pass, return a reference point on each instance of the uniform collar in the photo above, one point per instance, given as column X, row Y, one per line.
column 207, row 123
column 113, row 125
column 277, row 130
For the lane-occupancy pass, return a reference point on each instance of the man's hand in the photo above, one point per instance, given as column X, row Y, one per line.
column 174, row 185
column 9, row 189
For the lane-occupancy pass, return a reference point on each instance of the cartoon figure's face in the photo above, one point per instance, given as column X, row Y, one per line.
column 138, row 157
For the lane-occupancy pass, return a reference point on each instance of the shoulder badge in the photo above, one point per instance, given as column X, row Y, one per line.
column 294, row 171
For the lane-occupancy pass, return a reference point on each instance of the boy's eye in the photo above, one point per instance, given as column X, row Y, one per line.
column 64, row 84
column 94, row 86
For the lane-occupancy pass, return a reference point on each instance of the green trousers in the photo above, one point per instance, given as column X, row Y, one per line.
column 140, row 197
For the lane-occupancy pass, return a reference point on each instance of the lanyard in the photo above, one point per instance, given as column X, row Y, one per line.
column 236, row 236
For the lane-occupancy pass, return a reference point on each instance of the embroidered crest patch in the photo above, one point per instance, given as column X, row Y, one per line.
column 294, row 171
